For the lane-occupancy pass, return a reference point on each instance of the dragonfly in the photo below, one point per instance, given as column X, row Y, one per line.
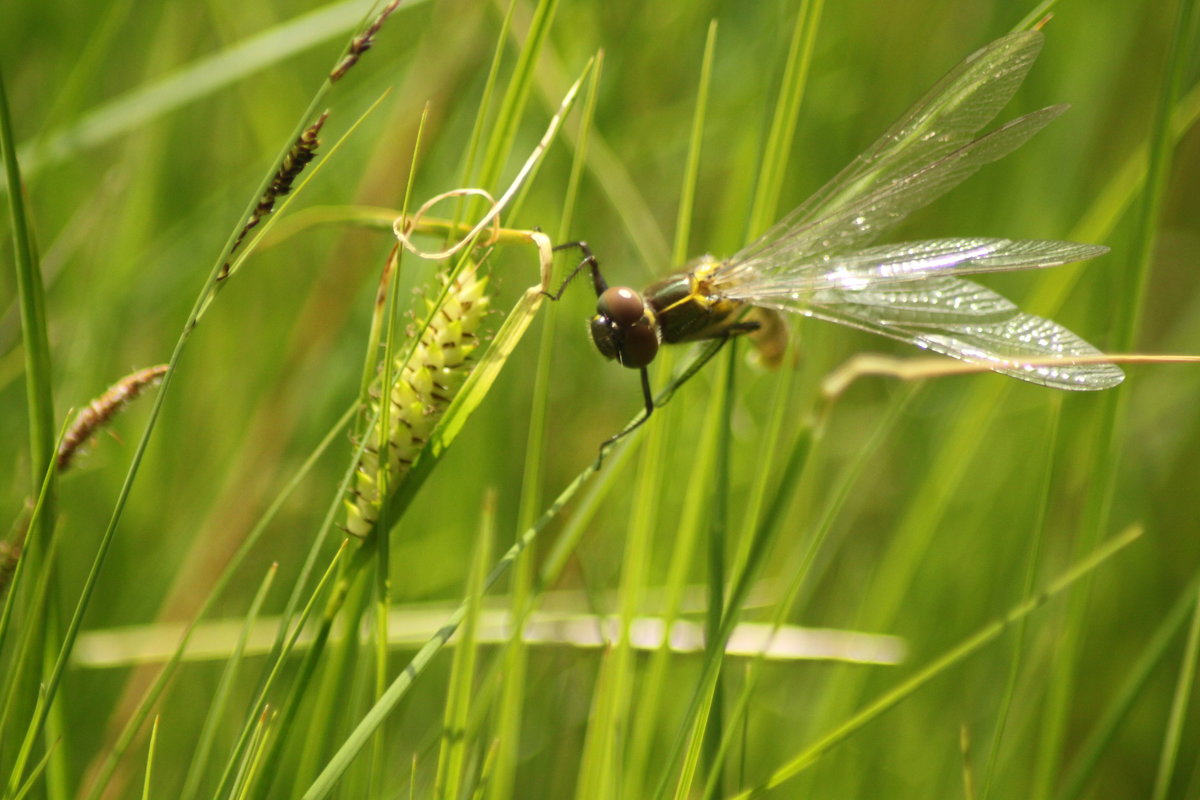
column 819, row 260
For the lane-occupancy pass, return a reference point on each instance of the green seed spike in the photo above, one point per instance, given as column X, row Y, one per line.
column 420, row 394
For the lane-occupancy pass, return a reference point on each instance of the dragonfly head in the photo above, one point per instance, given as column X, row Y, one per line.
column 624, row 328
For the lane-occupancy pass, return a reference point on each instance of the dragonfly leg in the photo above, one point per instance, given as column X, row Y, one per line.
column 648, row 396
column 589, row 261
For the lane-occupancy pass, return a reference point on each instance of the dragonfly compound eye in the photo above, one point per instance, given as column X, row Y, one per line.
column 622, row 305
column 638, row 345
column 633, row 345
column 604, row 335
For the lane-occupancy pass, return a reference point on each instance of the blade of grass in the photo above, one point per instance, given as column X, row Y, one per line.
column 1179, row 705
column 941, row 664
column 254, row 757
column 691, row 728
column 770, row 181
column 39, row 397
column 39, row 393
column 236, row 762
column 35, row 775
column 603, row 760
column 39, row 403
column 1037, row 538
column 24, row 655
column 453, row 750
column 607, row 170
column 149, row 780
column 608, row 726
column 687, row 536
column 512, row 694
column 324, row 723
column 203, row 77
column 516, row 96
column 718, row 534
column 212, row 720
column 763, row 539
column 1137, row 679
column 134, row 723
column 722, row 399
column 485, row 102
column 14, row 591
column 383, row 477
column 801, row 573
column 1114, row 414
column 778, row 148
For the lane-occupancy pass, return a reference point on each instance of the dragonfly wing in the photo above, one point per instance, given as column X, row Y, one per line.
column 903, row 261
column 861, row 221
column 947, row 117
column 964, row 320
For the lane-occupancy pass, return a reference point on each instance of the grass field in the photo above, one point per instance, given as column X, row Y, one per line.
column 1022, row 564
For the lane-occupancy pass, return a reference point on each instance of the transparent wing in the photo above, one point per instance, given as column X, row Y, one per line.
column 860, row 221
column 961, row 319
column 897, row 262
column 948, row 116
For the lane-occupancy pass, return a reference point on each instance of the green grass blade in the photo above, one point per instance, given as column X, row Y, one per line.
column 156, row 688
column 1179, row 705
column 453, row 750
column 252, row 765
column 502, row 769
column 787, row 110
column 35, row 774
column 208, row 733
column 941, row 664
column 602, row 761
column 1114, row 417
column 246, row 742
column 39, row 393
column 1037, row 539
column 604, row 764
column 399, row 687
column 13, row 592
column 149, row 779
column 687, row 192
column 654, row 687
column 39, row 406
column 203, row 77
column 23, row 660
column 606, row 169
column 692, row 728
column 485, row 102
column 1138, row 677
column 1179, row 56
column 339, row 679
column 512, row 105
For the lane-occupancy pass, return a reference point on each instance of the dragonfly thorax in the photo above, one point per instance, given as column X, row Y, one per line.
column 625, row 328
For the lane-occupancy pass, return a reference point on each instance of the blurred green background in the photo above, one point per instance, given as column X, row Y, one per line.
column 133, row 193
